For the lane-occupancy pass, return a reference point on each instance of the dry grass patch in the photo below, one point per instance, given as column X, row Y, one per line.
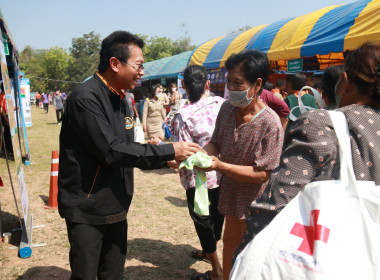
column 161, row 234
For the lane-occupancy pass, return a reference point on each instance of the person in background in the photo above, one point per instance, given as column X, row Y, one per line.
column 38, row 99
column 45, row 101
column 245, row 146
column 165, row 99
column 268, row 86
column 58, row 101
column 304, row 160
column 329, row 80
column 130, row 98
column 97, row 157
column 175, row 96
column 279, row 90
column 299, row 80
column 5, row 135
column 195, row 123
column 154, row 113
column 277, row 105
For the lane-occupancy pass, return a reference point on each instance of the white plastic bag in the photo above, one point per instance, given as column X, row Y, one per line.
column 330, row 230
column 139, row 133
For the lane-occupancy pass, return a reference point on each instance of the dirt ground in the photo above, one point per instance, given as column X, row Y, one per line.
column 161, row 234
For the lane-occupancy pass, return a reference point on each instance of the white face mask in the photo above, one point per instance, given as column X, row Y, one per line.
column 158, row 94
column 239, row 98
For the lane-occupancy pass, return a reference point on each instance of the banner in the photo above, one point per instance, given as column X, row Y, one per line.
column 25, row 99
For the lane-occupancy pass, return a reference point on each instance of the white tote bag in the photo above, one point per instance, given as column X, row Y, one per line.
column 330, row 230
column 139, row 133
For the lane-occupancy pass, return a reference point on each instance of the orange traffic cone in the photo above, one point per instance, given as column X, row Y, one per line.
column 53, row 203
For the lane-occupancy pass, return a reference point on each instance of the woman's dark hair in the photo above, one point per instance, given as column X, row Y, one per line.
column 254, row 63
column 154, row 88
column 116, row 45
column 194, row 79
column 363, row 69
column 299, row 80
column 329, row 79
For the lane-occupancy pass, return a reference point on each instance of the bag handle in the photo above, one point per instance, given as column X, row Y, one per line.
column 137, row 122
column 316, row 94
column 303, row 108
column 340, row 125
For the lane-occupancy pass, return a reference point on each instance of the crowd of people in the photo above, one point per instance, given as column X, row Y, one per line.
column 56, row 98
column 260, row 158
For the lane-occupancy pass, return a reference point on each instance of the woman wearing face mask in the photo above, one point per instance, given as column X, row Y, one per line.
column 175, row 96
column 246, row 145
column 311, row 150
column 154, row 114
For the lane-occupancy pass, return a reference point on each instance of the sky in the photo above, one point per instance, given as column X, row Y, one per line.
column 43, row 24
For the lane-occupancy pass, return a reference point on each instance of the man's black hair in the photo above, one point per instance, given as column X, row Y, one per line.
column 280, row 83
column 299, row 80
column 254, row 63
column 116, row 45
column 268, row 86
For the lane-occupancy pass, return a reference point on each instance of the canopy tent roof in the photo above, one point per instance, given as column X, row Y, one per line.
column 166, row 67
column 324, row 34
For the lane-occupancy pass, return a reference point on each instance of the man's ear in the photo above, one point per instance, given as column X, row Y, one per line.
column 114, row 64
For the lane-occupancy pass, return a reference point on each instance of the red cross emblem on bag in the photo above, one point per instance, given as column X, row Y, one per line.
column 311, row 233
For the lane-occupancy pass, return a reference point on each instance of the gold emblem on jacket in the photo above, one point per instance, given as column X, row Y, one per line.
column 128, row 123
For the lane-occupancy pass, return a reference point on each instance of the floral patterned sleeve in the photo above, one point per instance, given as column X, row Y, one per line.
column 215, row 135
column 180, row 131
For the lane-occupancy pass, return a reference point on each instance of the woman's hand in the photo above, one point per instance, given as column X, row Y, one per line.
column 215, row 165
column 154, row 140
column 173, row 164
column 144, row 128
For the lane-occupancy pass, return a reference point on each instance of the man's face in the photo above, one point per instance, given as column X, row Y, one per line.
column 130, row 72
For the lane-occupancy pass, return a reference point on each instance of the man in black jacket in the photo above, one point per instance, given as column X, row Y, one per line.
column 97, row 156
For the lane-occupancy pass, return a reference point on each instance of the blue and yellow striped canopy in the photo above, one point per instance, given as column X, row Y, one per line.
column 323, row 33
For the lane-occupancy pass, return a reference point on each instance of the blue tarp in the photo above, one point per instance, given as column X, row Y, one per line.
column 166, row 67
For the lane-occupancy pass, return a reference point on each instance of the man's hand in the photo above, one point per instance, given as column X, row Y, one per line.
column 185, row 149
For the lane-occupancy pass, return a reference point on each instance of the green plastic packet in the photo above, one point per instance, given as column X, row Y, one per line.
column 201, row 203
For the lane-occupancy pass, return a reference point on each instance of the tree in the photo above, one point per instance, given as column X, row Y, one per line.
column 85, row 56
column 30, row 63
column 56, row 64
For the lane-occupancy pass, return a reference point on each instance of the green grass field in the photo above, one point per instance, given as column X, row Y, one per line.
column 161, row 234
